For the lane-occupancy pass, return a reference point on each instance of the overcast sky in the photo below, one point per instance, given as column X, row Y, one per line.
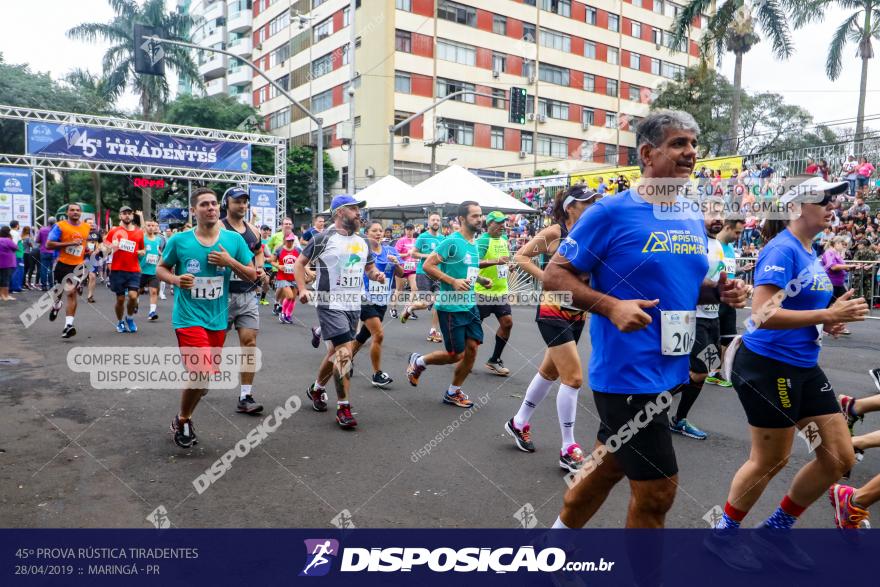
column 33, row 31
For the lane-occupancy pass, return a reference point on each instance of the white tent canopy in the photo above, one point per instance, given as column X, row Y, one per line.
column 455, row 184
column 388, row 192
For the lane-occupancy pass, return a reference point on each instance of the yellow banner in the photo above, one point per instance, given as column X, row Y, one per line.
column 724, row 164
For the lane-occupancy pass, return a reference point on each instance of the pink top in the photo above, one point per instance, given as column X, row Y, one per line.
column 405, row 246
column 866, row 170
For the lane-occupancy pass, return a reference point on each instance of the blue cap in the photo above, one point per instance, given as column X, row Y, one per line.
column 345, row 200
column 235, row 193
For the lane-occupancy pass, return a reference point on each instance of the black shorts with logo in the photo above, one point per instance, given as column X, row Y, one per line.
column 373, row 311
column 706, row 352
column 648, row 454
column 557, row 332
column 498, row 310
column 775, row 394
column 727, row 321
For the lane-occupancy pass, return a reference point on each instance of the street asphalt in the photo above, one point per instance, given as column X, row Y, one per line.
column 74, row 456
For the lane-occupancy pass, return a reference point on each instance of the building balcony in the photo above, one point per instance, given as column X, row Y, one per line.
column 213, row 37
column 239, row 76
column 215, row 87
column 214, row 67
column 243, row 46
column 245, row 98
column 213, row 10
column 239, row 21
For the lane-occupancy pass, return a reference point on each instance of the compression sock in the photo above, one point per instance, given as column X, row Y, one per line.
column 731, row 518
column 535, row 394
column 689, row 393
column 566, row 410
column 785, row 515
column 500, row 343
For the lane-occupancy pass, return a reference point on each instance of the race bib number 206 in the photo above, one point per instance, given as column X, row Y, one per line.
column 677, row 331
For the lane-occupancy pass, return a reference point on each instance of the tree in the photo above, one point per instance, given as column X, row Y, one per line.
column 119, row 59
column 732, row 27
column 545, row 172
column 861, row 27
column 222, row 112
column 301, row 186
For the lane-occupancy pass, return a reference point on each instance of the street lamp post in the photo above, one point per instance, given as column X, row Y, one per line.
column 281, row 90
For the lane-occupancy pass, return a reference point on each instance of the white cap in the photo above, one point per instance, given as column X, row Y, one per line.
column 812, row 190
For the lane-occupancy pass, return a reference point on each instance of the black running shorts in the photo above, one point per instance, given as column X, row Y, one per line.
column 727, row 321
column 557, row 332
column 636, row 437
column 706, row 353
column 776, row 394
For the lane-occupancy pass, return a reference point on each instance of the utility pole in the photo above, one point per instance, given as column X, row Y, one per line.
column 352, row 73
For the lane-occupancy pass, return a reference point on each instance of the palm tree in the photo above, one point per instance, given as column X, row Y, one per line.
column 861, row 27
column 732, row 28
column 118, row 63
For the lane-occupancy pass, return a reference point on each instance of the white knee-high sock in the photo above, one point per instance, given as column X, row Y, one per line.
column 566, row 409
column 535, row 394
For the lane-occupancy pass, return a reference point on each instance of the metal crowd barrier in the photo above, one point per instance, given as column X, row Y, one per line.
column 863, row 280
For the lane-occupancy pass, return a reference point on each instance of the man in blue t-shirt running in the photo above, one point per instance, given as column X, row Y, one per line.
column 646, row 270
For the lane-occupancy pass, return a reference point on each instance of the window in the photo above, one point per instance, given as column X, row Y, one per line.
column 458, row 132
column 671, row 9
column 610, row 120
column 590, row 49
column 346, row 17
column 526, row 142
column 635, row 61
column 455, row 12
column 281, row 54
column 655, row 66
column 499, row 24
column 402, row 82
column 403, row 41
column 404, row 5
column 456, row 52
column 279, row 23
column 669, row 41
column 529, row 32
column 553, row 146
column 613, row 23
column 704, row 21
column 496, row 138
column 637, row 3
column 322, row 65
column 322, row 101
column 316, row 3
column 592, row 13
column 498, row 99
column 613, row 55
column 560, row 7
column 611, row 87
column 398, row 118
column 448, row 86
column 283, row 81
column 322, row 30
column 528, row 69
column 588, row 116
column 589, row 82
column 671, row 70
column 637, row 29
column 499, row 62
column 658, row 6
column 553, row 108
column 279, row 118
column 554, row 75
column 554, row 40
column 635, row 93
column 236, row 7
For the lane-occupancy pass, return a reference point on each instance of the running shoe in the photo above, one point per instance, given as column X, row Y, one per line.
column 414, row 370
column 91, row 299
column 162, row 296
column 152, row 316
column 718, row 381
column 434, row 336
column 728, row 545
column 381, row 379
column 846, row 515
column 53, row 313
column 497, row 367
column 264, row 302
column 875, row 377
column 318, row 398
column 121, row 328
column 249, row 406
column 406, row 315
column 775, row 545
column 344, row 417
column 68, row 332
column 523, row 438
column 457, row 399
column 184, row 433
column 316, row 336
column 276, row 309
column 285, row 319
column 572, row 459
column 413, row 315
column 132, row 327
column 394, row 313
column 847, row 405
column 685, row 428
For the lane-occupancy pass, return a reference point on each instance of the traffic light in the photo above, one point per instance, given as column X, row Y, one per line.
column 517, row 105
column 149, row 57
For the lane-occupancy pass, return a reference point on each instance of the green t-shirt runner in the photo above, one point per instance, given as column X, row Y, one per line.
column 152, row 255
column 426, row 244
column 491, row 249
column 207, row 303
column 461, row 260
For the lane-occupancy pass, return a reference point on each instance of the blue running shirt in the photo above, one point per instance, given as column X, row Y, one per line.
column 631, row 253
column 785, row 263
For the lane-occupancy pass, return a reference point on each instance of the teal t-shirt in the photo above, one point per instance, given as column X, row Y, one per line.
column 151, row 255
column 207, row 303
column 460, row 260
column 426, row 244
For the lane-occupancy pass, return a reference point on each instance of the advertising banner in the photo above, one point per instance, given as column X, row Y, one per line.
column 125, row 146
column 16, row 195
column 264, row 202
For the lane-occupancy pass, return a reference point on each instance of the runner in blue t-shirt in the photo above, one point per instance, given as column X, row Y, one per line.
column 778, row 380
column 646, row 273
column 199, row 263
column 375, row 304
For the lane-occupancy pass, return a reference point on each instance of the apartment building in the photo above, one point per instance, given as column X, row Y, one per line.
column 222, row 24
column 589, row 69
